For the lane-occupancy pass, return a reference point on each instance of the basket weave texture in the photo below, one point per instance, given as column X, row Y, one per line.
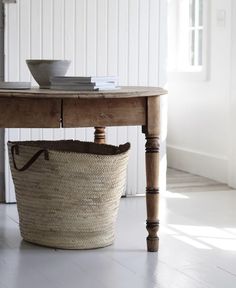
column 71, row 199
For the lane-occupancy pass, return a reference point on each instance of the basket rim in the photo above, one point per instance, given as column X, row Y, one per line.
column 97, row 149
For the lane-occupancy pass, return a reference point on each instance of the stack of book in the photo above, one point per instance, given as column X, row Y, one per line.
column 80, row 83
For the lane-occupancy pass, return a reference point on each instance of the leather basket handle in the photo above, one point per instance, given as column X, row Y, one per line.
column 15, row 148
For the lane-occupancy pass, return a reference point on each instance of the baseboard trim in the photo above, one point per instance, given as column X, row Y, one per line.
column 206, row 165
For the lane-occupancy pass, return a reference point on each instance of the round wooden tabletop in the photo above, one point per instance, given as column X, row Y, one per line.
column 122, row 92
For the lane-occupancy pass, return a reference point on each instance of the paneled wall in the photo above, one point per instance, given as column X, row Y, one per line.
column 1, row 78
column 100, row 37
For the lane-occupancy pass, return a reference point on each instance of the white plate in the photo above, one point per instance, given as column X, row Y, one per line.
column 15, row 85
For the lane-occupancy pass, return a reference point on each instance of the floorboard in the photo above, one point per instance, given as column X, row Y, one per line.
column 197, row 245
column 185, row 182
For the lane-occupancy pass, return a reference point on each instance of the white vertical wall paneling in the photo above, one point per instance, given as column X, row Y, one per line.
column 24, row 34
column 133, row 42
column 25, row 52
column 123, row 24
column 35, row 25
column 2, row 196
column 153, row 40
column 91, row 46
column 162, row 59
column 58, row 29
column 24, row 43
column 133, row 64
column 47, row 29
column 69, row 48
column 101, row 57
column 1, row 42
column 122, row 55
column 27, row 43
column 80, row 49
column 91, row 39
column 102, row 49
column 13, row 43
column 47, row 46
column 142, row 80
column 47, row 52
column 113, row 37
column 69, row 37
column 80, row 37
column 112, row 52
column 36, row 134
column 11, row 74
column 35, row 31
column 53, row 44
column 47, row 134
column 6, row 41
column 143, row 41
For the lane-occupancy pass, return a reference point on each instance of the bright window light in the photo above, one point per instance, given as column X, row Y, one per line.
column 195, row 32
column 205, row 231
column 231, row 230
column 175, row 195
column 205, row 237
column 223, row 244
column 187, row 33
column 190, row 241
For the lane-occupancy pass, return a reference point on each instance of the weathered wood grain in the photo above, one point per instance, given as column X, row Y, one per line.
column 100, row 135
column 104, row 112
column 30, row 113
column 124, row 92
column 153, row 116
column 152, row 131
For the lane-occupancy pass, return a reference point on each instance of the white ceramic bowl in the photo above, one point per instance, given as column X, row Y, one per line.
column 43, row 70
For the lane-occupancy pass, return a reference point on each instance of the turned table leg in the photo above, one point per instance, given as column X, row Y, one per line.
column 152, row 192
column 99, row 135
column 152, row 132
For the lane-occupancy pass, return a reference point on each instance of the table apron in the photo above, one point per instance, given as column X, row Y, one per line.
column 104, row 112
column 30, row 113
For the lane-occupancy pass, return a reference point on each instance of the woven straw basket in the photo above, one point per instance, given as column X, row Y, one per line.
column 68, row 192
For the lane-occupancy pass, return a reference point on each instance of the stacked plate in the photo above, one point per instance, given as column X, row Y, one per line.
column 15, row 85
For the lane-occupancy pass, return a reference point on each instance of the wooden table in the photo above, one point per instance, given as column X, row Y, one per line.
column 128, row 106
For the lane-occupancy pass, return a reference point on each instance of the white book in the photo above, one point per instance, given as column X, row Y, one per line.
column 85, row 79
column 73, row 88
column 83, row 88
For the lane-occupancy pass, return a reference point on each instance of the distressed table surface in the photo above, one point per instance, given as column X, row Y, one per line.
column 123, row 92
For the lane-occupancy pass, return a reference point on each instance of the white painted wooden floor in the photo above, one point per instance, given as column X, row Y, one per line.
column 197, row 245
